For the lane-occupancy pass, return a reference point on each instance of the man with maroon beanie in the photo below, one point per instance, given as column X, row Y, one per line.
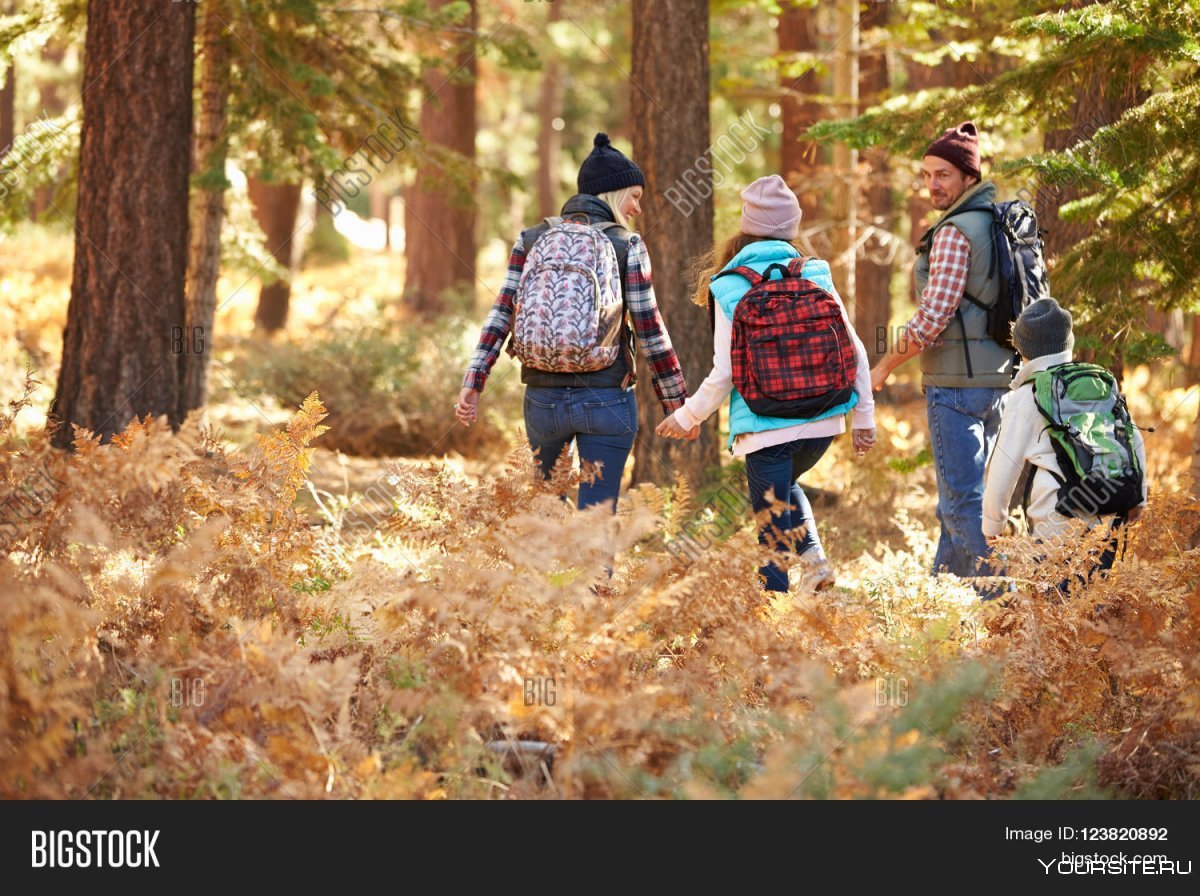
column 964, row 372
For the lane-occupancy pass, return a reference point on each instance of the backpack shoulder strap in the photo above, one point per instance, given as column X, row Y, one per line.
column 1048, row 376
column 623, row 250
column 796, row 265
column 531, row 236
column 741, row 270
column 993, row 210
column 978, row 304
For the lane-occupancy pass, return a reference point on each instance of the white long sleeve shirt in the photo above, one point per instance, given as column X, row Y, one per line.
column 719, row 383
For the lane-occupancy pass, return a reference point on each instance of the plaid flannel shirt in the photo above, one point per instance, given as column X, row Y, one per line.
column 651, row 336
column 949, row 264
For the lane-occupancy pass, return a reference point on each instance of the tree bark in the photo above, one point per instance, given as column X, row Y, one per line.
column 1194, row 350
column 123, row 347
column 1098, row 103
column 439, row 233
column 275, row 209
column 874, row 268
column 1194, row 540
column 381, row 200
column 845, row 158
column 549, row 139
column 8, row 121
column 671, row 105
column 208, row 208
column 50, row 105
column 800, row 160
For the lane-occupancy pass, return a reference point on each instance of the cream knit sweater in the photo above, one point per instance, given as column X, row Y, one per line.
column 1024, row 437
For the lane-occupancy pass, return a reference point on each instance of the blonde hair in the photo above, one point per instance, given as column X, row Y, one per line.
column 615, row 199
column 715, row 259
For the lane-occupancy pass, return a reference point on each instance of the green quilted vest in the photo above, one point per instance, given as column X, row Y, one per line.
column 991, row 365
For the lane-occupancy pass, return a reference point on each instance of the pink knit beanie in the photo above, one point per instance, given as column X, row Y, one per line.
column 770, row 209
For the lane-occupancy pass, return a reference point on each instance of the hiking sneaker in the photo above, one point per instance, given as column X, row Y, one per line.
column 815, row 576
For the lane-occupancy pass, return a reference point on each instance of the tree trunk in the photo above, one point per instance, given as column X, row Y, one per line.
column 947, row 73
column 275, row 209
column 1194, row 537
column 1098, row 103
column 845, row 158
column 550, row 139
column 380, row 199
column 874, row 269
column 670, row 65
column 208, row 209
column 50, row 105
column 439, row 232
column 800, row 160
column 924, row 77
column 1193, row 362
column 123, row 347
column 8, row 120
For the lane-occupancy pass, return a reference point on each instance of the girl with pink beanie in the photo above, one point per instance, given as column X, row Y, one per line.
column 777, row 450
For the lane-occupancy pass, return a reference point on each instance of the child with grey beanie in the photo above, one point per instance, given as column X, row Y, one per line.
column 1043, row 336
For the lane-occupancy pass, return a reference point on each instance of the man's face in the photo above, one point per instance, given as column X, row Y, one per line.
column 944, row 182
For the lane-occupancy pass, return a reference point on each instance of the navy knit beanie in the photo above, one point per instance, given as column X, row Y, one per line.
column 607, row 169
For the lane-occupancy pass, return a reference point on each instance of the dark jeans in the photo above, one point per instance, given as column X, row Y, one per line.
column 771, row 473
column 602, row 421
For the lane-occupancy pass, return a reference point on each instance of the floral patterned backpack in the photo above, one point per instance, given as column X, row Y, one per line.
column 568, row 303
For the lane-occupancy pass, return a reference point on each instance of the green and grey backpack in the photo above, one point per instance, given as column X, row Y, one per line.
column 1092, row 434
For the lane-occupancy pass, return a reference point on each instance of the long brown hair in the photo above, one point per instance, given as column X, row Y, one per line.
column 712, row 261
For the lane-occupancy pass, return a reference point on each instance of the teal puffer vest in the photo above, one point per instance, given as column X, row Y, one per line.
column 728, row 291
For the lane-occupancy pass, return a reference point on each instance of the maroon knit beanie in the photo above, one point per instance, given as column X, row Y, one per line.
column 960, row 147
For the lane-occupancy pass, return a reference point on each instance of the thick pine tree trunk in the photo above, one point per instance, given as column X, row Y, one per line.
column 800, row 160
column 549, row 139
column 439, row 233
column 208, row 208
column 275, row 209
column 1099, row 103
column 122, row 352
column 874, row 274
column 670, row 65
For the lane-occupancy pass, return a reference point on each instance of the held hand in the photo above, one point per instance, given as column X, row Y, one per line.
column 466, row 409
column 878, row 377
column 693, row 433
column 671, row 430
column 864, row 440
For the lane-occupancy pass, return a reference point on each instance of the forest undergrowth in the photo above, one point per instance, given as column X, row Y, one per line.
column 177, row 624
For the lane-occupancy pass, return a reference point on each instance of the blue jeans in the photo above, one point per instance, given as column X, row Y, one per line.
column 962, row 429
column 771, row 473
column 602, row 421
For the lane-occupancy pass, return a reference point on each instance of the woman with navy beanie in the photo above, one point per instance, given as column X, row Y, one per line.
column 595, row 409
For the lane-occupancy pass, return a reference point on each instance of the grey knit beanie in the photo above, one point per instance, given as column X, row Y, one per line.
column 1044, row 328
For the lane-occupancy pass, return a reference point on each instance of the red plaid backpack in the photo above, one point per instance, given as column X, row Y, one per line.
column 792, row 353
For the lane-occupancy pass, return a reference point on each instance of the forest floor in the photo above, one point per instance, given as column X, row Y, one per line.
column 227, row 613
